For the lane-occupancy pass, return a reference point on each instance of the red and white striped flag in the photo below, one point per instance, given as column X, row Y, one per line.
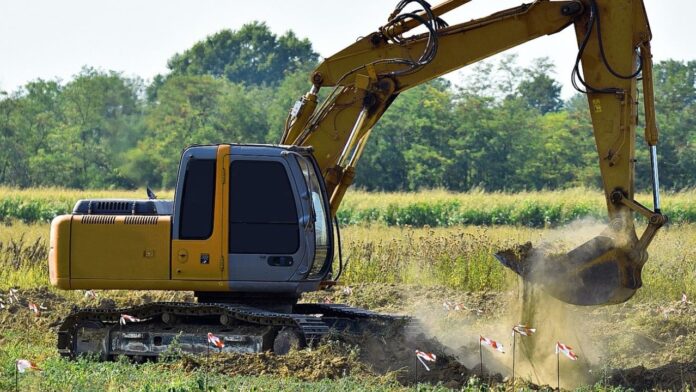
column 215, row 341
column 492, row 343
column 566, row 350
column 23, row 365
column 128, row 319
column 524, row 330
column 34, row 308
column 423, row 356
column 450, row 305
column 685, row 299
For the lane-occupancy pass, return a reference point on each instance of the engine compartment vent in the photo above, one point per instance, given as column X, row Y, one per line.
column 140, row 220
column 111, row 206
column 98, row 220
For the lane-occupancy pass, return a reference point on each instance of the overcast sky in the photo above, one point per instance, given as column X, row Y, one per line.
column 54, row 39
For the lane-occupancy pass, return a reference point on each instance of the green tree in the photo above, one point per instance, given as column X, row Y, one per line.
column 194, row 110
column 69, row 135
column 408, row 149
column 27, row 119
column 281, row 99
column 675, row 101
column 252, row 55
column 539, row 90
column 100, row 115
column 584, row 148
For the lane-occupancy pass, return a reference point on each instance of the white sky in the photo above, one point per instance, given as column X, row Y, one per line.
column 48, row 39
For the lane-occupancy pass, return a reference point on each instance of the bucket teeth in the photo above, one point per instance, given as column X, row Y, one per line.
column 517, row 258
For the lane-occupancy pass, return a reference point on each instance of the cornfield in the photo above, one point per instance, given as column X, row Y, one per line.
column 436, row 208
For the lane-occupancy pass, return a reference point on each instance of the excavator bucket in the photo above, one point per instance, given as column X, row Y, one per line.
column 595, row 273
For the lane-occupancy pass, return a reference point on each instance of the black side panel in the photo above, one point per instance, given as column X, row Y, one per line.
column 123, row 207
column 263, row 214
column 198, row 200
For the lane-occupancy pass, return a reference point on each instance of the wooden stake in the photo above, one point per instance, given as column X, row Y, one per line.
column 16, row 376
column 558, row 369
column 207, row 364
column 481, row 355
column 514, row 340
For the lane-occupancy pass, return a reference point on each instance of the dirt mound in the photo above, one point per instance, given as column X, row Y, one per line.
column 671, row 377
column 329, row 361
column 29, row 308
column 357, row 356
column 396, row 354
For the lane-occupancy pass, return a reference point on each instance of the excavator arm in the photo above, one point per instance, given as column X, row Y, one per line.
column 614, row 50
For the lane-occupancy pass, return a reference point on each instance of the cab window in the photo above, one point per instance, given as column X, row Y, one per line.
column 198, row 200
column 263, row 216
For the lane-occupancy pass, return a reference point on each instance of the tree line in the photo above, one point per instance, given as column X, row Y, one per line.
column 505, row 128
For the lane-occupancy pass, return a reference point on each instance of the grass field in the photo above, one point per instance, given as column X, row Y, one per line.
column 403, row 269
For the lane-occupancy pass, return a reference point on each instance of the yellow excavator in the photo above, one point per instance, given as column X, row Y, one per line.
column 252, row 227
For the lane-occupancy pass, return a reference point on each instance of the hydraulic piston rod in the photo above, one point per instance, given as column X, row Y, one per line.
column 655, row 179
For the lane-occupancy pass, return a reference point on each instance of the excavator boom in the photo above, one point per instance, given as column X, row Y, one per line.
column 614, row 51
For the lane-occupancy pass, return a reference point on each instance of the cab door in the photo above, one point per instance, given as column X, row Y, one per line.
column 198, row 230
column 266, row 234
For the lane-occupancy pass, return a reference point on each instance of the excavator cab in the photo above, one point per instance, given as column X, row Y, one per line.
column 244, row 219
column 274, row 226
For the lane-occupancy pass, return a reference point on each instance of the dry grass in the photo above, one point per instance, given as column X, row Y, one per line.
column 457, row 257
column 462, row 257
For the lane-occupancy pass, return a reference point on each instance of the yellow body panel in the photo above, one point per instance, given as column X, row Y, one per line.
column 126, row 248
column 59, row 252
column 205, row 259
column 181, row 285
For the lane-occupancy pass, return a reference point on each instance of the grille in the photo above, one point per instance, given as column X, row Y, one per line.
column 98, row 220
column 111, row 206
column 140, row 220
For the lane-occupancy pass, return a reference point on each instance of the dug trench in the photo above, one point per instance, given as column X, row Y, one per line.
column 640, row 344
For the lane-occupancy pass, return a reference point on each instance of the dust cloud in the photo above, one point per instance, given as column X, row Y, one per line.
column 555, row 321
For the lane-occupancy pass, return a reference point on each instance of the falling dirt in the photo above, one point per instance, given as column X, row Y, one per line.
column 554, row 322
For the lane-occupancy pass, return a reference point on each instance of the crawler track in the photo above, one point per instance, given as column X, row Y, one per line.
column 243, row 328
